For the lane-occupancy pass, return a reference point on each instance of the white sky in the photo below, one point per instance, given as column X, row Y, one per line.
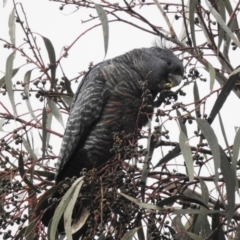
column 63, row 27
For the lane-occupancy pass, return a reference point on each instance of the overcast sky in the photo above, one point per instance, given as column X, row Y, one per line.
column 63, row 27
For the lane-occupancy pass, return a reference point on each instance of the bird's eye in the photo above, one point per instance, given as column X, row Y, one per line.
column 168, row 62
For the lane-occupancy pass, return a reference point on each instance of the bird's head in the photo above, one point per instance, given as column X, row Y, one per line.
column 160, row 67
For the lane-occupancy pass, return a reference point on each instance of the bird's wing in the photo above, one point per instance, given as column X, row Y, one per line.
column 86, row 109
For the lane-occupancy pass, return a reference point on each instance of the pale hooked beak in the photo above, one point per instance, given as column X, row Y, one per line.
column 174, row 79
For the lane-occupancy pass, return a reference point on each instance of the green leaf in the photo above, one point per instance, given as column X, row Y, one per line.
column 235, row 156
column 61, row 208
column 27, row 78
column 52, row 58
column 4, row 2
column 196, row 211
column 68, row 86
column 19, row 235
column 181, row 231
column 12, row 27
column 69, row 210
column 104, row 20
column 212, row 75
column 44, row 131
column 55, row 111
column 192, row 6
column 228, row 6
column 187, row 154
column 211, row 138
column 224, row 133
column 67, row 100
column 150, row 149
column 221, row 8
column 130, row 234
column 48, row 175
column 228, row 86
column 205, row 192
column 29, row 149
column 29, row 232
column 138, row 223
column 229, row 180
column 237, row 233
column 182, row 126
column 2, row 80
column 23, row 174
column 173, row 199
column 194, row 236
column 48, row 126
column 170, row 155
column 102, row 237
column 8, row 81
column 140, row 204
column 79, row 223
column 196, row 99
column 219, row 234
column 222, row 23
column 47, row 194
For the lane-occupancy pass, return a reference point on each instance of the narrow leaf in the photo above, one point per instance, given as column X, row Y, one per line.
column 104, row 20
column 173, row 199
column 222, row 23
column 130, row 234
column 69, row 210
column 236, row 150
column 221, row 8
column 196, row 99
column 228, row 86
column 237, row 236
column 196, row 211
column 213, row 143
column 219, row 234
column 68, row 86
column 180, row 229
column 47, row 194
column 67, row 100
column 182, row 126
column 187, row 155
column 150, row 149
column 27, row 78
column 228, row 6
column 141, row 204
column 224, row 133
column 2, row 80
column 23, row 174
column 194, row 236
column 8, row 81
column 205, row 192
column 29, row 149
column 229, row 180
column 55, row 111
column 20, row 234
column 61, row 208
column 192, row 6
column 48, row 126
column 170, row 155
column 44, row 131
column 52, row 58
column 12, row 27
column 212, row 75
column 4, row 2
column 29, row 232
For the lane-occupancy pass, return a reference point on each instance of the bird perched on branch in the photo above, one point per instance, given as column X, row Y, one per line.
column 108, row 100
